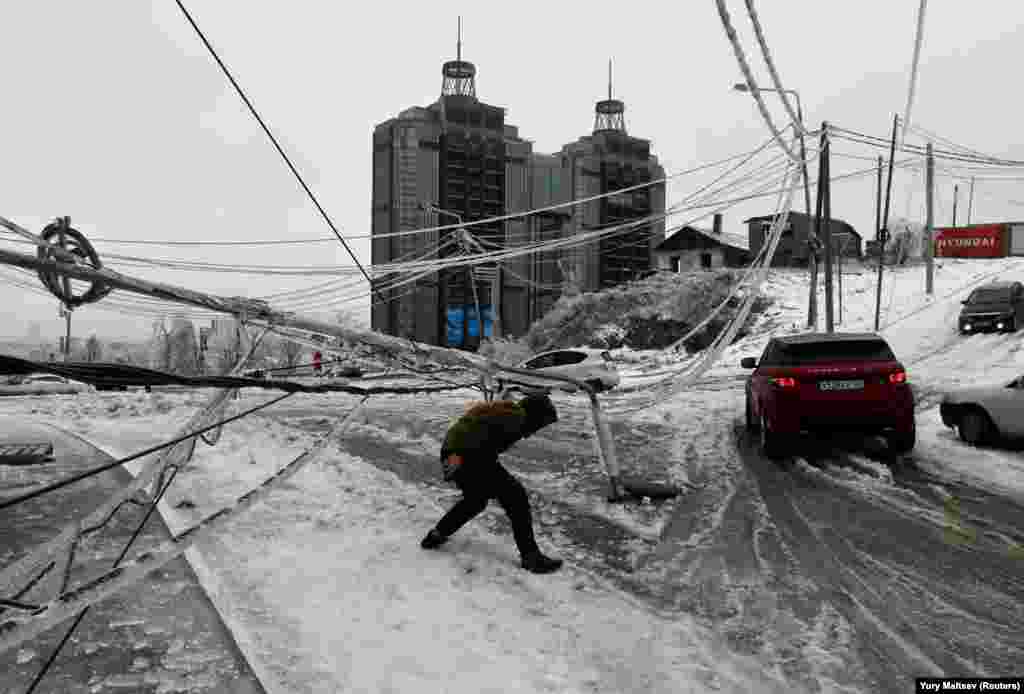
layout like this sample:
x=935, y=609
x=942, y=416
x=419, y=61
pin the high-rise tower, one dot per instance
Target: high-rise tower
x=455, y=159
x=607, y=160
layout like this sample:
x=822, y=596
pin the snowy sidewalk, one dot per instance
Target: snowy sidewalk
x=160, y=636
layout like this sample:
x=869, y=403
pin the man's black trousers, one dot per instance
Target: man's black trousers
x=480, y=482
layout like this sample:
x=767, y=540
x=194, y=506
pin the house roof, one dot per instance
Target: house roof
x=671, y=243
x=767, y=217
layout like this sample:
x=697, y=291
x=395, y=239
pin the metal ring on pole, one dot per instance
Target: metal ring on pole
x=60, y=234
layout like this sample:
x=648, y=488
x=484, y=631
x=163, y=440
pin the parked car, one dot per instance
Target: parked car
x=983, y=414
x=591, y=366
x=996, y=306
x=828, y=383
x=58, y=384
x=45, y=378
x=344, y=371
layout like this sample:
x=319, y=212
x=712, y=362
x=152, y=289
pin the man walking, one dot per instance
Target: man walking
x=469, y=458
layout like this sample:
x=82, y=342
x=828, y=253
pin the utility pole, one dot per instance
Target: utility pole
x=970, y=202
x=839, y=275
x=883, y=233
x=466, y=246
x=823, y=182
x=929, y=233
x=67, y=336
x=878, y=200
x=65, y=313
x=812, y=259
x=820, y=203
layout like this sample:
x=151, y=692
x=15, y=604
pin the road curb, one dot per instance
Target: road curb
x=243, y=642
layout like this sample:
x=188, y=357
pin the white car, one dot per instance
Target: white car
x=58, y=384
x=591, y=366
x=983, y=414
x=45, y=378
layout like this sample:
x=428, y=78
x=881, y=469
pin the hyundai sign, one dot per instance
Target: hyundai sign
x=980, y=241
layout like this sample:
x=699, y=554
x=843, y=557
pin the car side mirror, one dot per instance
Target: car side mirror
x=964, y=302
x=748, y=363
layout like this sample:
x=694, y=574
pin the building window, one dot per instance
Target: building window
x=705, y=261
x=675, y=263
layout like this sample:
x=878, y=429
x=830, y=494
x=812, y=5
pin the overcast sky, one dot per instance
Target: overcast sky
x=115, y=114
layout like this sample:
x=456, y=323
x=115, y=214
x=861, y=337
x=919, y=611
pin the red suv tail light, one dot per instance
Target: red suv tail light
x=785, y=382
x=898, y=377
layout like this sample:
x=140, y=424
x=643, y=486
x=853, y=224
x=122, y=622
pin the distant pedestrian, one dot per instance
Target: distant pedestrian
x=469, y=458
x=317, y=365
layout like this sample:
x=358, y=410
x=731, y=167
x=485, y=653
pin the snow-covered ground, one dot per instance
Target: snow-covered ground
x=327, y=590
x=922, y=332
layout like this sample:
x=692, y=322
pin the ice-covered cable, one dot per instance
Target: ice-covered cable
x=755, y=92
x=780, y=90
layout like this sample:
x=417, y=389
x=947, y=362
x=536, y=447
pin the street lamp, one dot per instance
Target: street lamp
x=812, y=312
x=469, y=269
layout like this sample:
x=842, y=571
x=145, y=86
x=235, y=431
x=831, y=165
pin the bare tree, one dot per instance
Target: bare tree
x=290, y=352
x=184, y=347
x=93, y=349
x=160, y=347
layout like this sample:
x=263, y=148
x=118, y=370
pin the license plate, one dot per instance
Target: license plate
x=841, y=385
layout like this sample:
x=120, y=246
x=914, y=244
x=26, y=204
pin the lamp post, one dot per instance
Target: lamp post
x=812, y=310
x=469, y=269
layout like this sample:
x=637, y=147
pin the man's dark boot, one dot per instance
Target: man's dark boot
x=433, y=540
x=539, y=564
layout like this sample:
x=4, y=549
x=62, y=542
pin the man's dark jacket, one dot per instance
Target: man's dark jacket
x=489, y=429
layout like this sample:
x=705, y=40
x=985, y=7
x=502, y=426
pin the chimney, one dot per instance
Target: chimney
x=717, y=228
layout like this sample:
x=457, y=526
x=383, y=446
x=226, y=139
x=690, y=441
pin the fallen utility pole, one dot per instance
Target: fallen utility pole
x=883, y=232
x=258, y=312
x=929, y=222
x=251, y=310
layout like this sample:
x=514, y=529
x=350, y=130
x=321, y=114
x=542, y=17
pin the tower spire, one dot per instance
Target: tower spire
x=608, y=114
x=459, y=75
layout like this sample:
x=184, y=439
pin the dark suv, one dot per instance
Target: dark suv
x=995, y=306
x=826, y=383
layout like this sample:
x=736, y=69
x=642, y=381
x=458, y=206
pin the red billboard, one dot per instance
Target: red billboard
x=981, y=241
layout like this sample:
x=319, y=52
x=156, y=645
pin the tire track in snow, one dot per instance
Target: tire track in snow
x=876, y=540
x=725, y=559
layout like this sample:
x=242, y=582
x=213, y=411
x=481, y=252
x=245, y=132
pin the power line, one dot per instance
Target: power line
x=445, y=227
x=287, y=160
x=752, y=87
x=913, y=69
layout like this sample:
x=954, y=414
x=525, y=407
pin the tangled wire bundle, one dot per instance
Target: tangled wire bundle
x=60, y=234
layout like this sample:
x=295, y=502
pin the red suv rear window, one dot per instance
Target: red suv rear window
x=801, y=354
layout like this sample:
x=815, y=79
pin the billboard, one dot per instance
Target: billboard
x=462, y=323
x=979, y=241
x=455, y=323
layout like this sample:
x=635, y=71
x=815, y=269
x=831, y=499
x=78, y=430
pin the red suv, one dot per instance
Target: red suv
x=825, y=383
